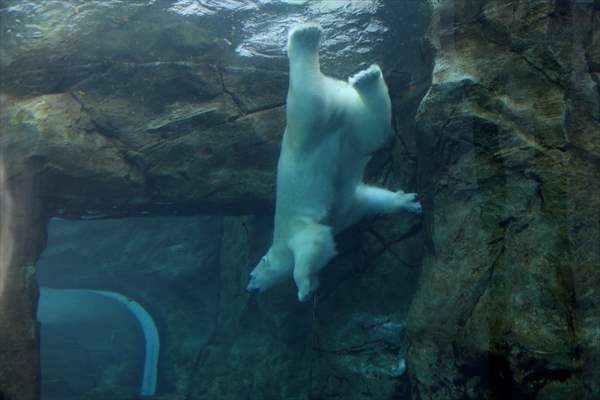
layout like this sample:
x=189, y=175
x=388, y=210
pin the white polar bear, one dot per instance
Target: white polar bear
x=333, y=129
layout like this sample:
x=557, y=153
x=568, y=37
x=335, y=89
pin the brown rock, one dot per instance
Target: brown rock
x=23, y=220
x=510, y=163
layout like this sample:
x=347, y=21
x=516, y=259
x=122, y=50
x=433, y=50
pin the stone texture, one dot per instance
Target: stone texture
x=158, y=110
x=507, y=301
x=108, y=155
x=23, y=220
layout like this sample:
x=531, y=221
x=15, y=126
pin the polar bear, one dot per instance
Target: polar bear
x=333, y=129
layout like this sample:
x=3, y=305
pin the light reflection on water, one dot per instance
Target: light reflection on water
x=260, y=25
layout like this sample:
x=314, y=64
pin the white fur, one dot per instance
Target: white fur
x=333, y=128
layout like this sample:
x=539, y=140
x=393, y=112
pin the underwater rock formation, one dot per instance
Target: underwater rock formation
x=22, y=239
x=108, y=154
x=508, y=300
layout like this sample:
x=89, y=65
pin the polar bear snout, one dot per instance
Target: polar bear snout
x=260, y=276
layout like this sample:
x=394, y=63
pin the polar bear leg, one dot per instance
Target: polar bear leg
x=313, y=246
x=371, y=88
x=303, y=41
x=373, y=200
x=307, y=34
x=374, y=128
x=303, y=54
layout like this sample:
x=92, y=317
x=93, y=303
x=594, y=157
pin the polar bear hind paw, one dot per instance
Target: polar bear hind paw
x=305, y=36
x=365, y=77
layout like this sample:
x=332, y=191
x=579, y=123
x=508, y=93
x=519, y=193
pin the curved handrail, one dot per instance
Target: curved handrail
x=149, y=329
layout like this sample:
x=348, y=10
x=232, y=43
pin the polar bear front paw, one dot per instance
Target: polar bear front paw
x=409, y=202
x=304, y=36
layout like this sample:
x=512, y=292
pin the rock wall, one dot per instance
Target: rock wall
x=124, y=109
x=23, y=220
x=507, y=305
